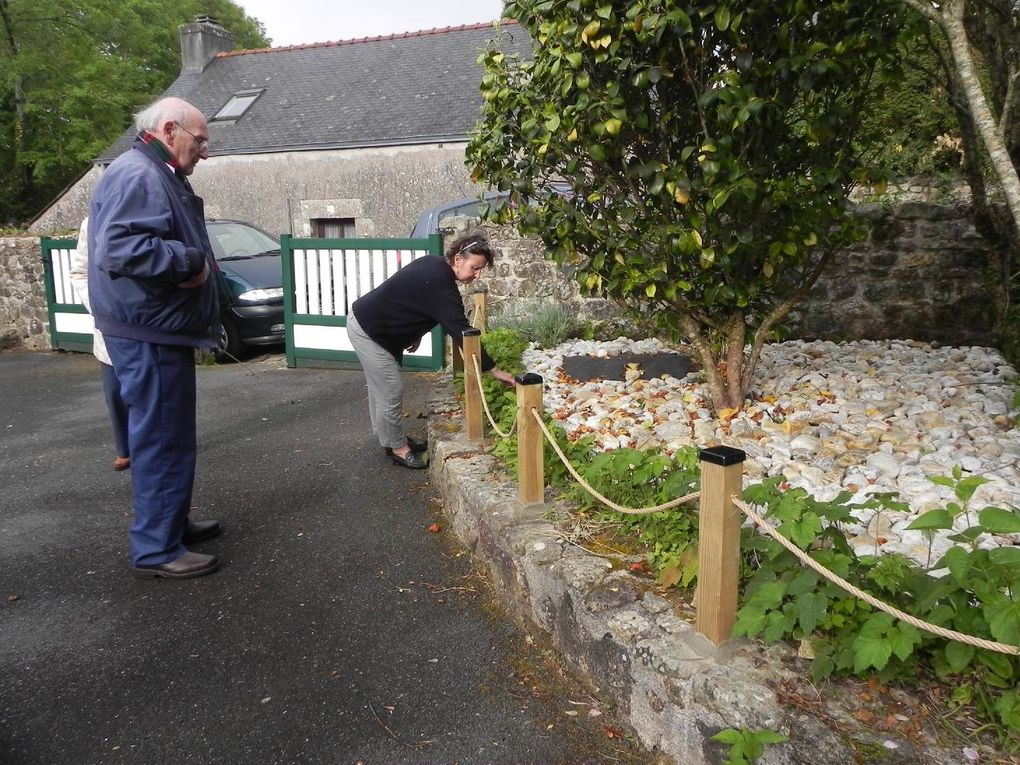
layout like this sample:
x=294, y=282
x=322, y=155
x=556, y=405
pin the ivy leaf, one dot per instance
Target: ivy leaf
x=998, y=663
x=871, y=647
x=933, y=519
x=959, y=655
x=1004, y=620
x=998, y=521
x=903, y=639
x=810, y=610
x=958, y=562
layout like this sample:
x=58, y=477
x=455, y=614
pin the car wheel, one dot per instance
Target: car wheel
x=228, y=345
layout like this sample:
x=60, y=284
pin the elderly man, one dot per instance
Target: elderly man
x=154, y=301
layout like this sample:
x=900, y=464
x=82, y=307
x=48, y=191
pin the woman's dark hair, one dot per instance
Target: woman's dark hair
x=472, y=244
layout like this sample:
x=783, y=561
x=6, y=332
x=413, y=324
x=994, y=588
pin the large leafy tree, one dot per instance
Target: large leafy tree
x=71, y=74
x=709, y=145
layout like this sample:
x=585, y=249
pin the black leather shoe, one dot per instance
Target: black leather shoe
x=199, y=531
x=189, y=565
x=413, y=460
x=416, y=446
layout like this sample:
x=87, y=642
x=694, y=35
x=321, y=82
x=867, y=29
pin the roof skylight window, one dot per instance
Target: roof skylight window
x=237, y=105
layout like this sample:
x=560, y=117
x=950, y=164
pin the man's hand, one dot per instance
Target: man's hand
x=197, y=280
x=413, y=346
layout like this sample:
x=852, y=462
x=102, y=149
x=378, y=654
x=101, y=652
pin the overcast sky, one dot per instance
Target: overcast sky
x=295, y=22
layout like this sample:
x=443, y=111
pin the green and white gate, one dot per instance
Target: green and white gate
x=321, y=280
x=70, y=324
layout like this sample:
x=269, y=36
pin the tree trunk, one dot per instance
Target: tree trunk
x=950, y=18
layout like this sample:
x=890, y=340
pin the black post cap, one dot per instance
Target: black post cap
x=722, y=455
x=472, y=332
x=528, y=378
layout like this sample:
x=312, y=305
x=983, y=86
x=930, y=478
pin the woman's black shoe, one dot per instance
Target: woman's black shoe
x=413, y=460
x=416, y=446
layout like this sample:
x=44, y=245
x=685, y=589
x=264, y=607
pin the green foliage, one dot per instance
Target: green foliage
x=640, y=478
x=909, y=111
x=709, y=147
x=545, y=324
x=746, y=746
x=973, y=591
x=72, y=72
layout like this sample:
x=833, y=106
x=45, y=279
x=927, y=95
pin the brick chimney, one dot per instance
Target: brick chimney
x=201, y=41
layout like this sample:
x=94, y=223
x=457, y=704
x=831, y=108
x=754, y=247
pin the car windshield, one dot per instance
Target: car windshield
x=231, y=240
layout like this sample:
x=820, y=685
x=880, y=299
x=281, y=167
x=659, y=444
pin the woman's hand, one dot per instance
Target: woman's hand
x=503, y=377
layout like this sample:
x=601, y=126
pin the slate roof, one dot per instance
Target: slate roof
x=411, y=88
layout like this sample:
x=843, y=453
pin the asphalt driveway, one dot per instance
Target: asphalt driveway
x=339, y=630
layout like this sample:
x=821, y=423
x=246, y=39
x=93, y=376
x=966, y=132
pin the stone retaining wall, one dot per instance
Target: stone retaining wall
x=922, y=274
x=23, y=315
x=636, y=649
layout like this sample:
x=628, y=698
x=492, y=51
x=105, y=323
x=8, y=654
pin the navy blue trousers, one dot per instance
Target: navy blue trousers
x=157, y=382
x=117, y=408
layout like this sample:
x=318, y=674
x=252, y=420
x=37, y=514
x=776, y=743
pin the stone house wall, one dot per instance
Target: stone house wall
x=382, y=190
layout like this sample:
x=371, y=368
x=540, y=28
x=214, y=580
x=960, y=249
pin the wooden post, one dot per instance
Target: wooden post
x=472, y=392
x=479, y=319
x=530, y=440
x=722, y=469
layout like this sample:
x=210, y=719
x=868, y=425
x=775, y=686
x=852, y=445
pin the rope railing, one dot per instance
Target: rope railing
x=871, y=600
x=485, y=404
x=594, y=492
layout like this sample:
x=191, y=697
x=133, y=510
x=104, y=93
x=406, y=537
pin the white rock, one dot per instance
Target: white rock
x=884, y=463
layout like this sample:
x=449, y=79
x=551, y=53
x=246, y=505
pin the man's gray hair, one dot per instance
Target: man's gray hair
x=154, y=116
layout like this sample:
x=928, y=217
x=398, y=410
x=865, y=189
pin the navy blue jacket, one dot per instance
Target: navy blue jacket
x=147, y=235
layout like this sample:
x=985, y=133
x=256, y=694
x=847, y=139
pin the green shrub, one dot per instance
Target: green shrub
x=546, y=324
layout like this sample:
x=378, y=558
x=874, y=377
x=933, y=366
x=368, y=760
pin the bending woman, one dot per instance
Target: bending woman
x=393, y=318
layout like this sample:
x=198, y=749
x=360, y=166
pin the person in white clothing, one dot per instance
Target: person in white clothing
x=111, y=385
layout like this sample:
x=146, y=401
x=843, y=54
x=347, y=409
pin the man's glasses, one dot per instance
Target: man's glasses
x=203, y=143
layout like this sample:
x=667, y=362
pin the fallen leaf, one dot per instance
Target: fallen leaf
x=639, y=566
x=670, y=576
x=435, y=528
x=865, y=716
x=611, y=732
x=11, y=598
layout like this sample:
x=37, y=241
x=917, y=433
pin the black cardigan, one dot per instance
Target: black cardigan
x=410, y=303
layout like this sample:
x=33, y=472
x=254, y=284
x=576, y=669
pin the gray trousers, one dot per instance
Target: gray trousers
x=385, y=386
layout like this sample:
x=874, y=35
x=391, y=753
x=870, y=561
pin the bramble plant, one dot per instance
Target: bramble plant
x=976, y=594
